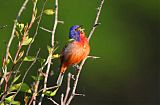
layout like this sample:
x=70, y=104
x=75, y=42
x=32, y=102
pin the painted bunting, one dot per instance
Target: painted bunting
x=75, y=51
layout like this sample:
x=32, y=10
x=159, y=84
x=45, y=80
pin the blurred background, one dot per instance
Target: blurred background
x=127, y=41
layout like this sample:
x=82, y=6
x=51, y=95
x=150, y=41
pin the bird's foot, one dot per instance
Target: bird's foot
x=76, y=67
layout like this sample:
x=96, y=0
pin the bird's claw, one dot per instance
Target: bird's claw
x=76, y=66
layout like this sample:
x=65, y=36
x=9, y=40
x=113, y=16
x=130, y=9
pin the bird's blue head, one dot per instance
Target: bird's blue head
x=74, y=32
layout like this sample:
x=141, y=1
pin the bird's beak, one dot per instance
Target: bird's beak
x=80, y=28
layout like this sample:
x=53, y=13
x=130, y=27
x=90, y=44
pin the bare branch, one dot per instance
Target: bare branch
x=96, y=20
x=54, y=102
x=62, y=96
x=93, y=57
x=55, y=22
x=50, y=54
x=47, y=30
x=38, y=23
x=68, y=87
x=49, y=88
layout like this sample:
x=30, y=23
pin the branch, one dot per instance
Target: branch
x=12, y=36
x=26, y=74
x=37, y=28
x=47, y=30
x=96, y=20
x=81, y=65
x=50, y=54
x=14, y=27
x=25, y=33
x=22, y=79
x=55, y=23
x=54, y=102
x=68, y=87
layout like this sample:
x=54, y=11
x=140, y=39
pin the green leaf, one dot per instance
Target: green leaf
x=36, y=78
x=27, y=41
x=15, y=103
x=51, y=93
x=29, y=58
x=15, y=79
x=15, y=87
x=55, y=56
x=49, y=11
x=41, y=60
x=9, y=99
x=25, y=88
x=2, y=103
x=49, y=49
x=20, y=26
x=8, y=61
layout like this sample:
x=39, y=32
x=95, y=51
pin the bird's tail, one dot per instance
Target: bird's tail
x=60, y=77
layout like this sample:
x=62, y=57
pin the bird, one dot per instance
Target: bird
x=75, y=51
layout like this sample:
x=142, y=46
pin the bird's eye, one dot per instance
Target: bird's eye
x=76, y=29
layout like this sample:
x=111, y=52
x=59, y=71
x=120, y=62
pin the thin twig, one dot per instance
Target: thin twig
x=62, y=96
x=82, y=63
x=93, y=57
x=14, y=27
x=47, y=30
x=37, y=28
x=37, y=82
x=55, y=23
x=45, y=79
x=76, y=82
x=96, y=20
x=54, y=102
x=68, y=87
x=48, y=88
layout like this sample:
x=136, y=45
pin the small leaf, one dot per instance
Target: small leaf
x=26, y=99
x=15, y=87
x=50, y=93
x=27, y=41
x=25, y=88
x=20, y=26
x=41, y=60
x=50, y=49
x=8, y=61
x=9, y=54
x=15, y=103
x=49, y=11
x=17, y=34
x=55, y=56
x=9, y=99
x=21, y=54
x=36, y=78
x=15, y=79
x=2, y=103
x=29, y=58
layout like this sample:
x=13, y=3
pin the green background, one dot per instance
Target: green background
x=127, y=42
